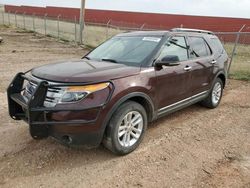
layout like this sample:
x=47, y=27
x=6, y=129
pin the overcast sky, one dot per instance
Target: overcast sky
x=227, y=8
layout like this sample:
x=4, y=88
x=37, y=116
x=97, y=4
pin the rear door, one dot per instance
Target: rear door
x=202, y=63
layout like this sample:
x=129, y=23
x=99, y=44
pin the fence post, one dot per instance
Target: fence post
x=75, y=30
x=15, y=19
x=9, y=17
x=235, y=47
x=107, y=29
x=33, y=20
x=45, y=25
x=24, y=20
x=141, y=28
x=58, y=27
x=3, y=17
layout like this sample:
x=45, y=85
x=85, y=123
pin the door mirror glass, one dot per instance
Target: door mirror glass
x=170, y=59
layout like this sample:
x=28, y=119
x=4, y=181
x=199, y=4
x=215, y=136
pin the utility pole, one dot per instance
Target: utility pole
x=82, y=14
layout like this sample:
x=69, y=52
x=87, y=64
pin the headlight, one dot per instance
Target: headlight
x=77, y=93
x=73, y=96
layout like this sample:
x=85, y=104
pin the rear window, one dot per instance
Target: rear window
x=217, y=46
x=199, y=47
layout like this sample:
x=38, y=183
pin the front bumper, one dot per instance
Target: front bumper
x=41, y=125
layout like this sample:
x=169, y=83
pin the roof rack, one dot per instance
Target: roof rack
x=192, y=30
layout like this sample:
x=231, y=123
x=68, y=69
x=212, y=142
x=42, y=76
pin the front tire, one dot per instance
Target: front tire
x=214, y=98
x=126, y=128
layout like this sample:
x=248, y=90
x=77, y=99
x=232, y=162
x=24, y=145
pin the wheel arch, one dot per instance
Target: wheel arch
x=138, y=97
x=146, y=103
x=222, y=76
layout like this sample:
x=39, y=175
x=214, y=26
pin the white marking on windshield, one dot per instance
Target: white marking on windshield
x=152, y=39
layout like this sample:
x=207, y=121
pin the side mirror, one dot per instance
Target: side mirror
x=169, y=60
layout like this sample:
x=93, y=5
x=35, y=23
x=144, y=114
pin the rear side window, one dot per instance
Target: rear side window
x=199, y=47
x=217, y=46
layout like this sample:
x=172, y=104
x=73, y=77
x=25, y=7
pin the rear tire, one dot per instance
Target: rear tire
x=126, y=128
x=214, y=98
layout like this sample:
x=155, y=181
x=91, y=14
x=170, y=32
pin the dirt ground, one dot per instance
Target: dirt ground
x=195, y=147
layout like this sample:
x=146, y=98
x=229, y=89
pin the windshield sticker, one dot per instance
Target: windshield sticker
x=152, y=39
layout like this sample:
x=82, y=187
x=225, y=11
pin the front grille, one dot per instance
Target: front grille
x=29, y=90
x=53, y=95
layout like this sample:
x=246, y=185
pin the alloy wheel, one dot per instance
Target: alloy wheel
x=130, y=129
x=216, y=93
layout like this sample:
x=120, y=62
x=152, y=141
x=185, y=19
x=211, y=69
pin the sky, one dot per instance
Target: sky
x=223, y=8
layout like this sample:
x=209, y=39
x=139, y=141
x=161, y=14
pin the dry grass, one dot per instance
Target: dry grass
x=240, y=68
x=95, y=35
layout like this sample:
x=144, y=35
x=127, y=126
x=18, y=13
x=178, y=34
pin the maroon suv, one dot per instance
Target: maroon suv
x=113, y=92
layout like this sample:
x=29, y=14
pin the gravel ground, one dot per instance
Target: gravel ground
x=195, y=147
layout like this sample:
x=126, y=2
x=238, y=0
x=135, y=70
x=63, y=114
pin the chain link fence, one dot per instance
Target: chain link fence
x=63, y=29
x=237, y=44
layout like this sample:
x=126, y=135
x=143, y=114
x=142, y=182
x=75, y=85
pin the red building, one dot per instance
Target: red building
x=136, y=19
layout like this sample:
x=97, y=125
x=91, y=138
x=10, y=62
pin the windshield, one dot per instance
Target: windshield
x=126, y=50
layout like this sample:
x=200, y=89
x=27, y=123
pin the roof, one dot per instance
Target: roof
x=144, y=33
x=163, y=33
x=192, y=30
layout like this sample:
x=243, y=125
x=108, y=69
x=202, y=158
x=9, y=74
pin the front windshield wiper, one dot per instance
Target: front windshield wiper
x=86, y=57
x=110, y=60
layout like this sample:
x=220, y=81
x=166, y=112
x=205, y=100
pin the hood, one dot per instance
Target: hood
x=83, y=71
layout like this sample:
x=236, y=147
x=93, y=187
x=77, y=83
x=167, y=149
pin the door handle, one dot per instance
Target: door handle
x=187, y=68
x=213, y=62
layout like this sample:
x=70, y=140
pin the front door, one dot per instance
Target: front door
x=173, y=81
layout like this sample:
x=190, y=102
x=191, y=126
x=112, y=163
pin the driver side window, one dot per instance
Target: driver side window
x=175, y=48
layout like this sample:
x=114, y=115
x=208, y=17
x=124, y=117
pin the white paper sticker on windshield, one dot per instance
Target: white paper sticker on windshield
x=152, y=39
